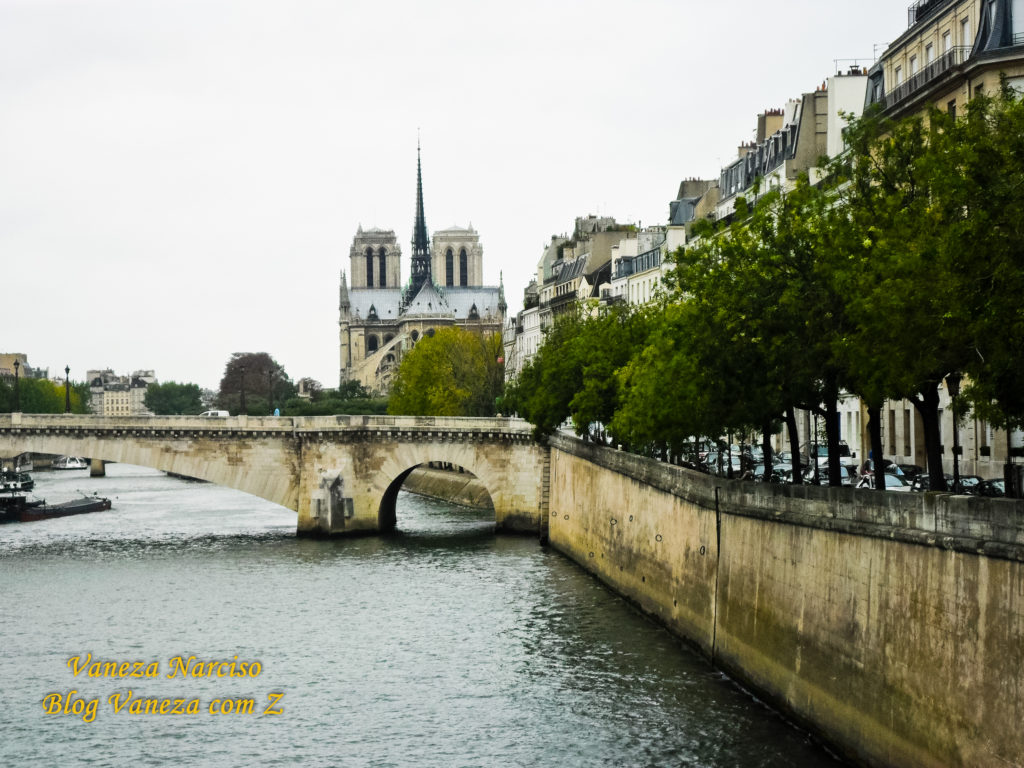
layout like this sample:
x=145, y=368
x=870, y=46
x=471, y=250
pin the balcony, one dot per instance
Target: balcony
x=954, y=57
x=922, y=9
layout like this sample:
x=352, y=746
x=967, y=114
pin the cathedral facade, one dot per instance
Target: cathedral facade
x=382, y=317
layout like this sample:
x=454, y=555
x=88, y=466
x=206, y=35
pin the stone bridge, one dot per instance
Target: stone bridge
x=341, y=474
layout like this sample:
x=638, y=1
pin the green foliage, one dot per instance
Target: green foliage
x=260, y=377
x=906, y=265
x=43, y=396
x=172, y=398
x=455, y=372
x=573, y=374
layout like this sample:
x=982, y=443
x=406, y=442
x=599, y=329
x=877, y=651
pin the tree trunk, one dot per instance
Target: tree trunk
x=794, y=444
x=766, y=450
x=927, y=406
x=875, y=435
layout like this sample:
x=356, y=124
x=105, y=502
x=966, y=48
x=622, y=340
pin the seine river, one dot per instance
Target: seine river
x=443, y=645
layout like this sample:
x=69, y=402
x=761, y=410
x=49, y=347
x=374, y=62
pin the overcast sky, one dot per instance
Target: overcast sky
x=182, y=179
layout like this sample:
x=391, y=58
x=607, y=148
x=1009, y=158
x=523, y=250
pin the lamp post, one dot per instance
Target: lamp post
x=817, y=470
x=67, y=389
x=270, y=390
x=953, y=385
x=17, y=394
x=241, y=405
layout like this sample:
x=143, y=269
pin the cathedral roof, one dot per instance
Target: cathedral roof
x=453, y=302
x=384, y=300
x=427, y=301
x=461, y=300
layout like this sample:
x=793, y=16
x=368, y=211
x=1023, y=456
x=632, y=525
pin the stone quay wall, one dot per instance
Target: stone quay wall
x=891, y=626
x=449, y=485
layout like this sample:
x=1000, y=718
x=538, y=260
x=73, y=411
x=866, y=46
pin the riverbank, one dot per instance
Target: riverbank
x=453, y=485
x=892, y=625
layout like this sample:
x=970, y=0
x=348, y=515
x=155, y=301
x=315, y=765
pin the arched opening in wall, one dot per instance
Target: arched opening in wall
x=463, y=267
x=369, y=267
x=371, y=344
x=437, y=498
x=383, y=267
x=388, y=337
x=449, y=267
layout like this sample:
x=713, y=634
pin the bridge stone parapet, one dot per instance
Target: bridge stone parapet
x=341, y=474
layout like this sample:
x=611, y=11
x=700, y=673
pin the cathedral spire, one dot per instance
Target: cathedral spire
x=420, y=244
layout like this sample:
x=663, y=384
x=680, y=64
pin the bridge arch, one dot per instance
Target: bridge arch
x=444, y=481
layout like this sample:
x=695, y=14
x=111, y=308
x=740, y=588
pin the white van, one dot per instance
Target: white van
x=216, y=414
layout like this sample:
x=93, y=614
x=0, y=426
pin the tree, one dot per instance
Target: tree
x=908, y=285
x=172, y=398
x=43, y=396
x=258, y=377
x=455, y=372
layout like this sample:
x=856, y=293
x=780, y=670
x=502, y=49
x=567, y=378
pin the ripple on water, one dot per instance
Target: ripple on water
x=443, y=645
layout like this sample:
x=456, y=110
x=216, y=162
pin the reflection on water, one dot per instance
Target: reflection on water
x=442, y=644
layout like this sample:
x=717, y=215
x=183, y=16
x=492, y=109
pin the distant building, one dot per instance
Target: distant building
x=113, y=395
x=25, y=371
x=381, y=318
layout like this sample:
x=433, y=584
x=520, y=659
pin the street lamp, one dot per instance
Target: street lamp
x=270, y=389
x=67, y=389
x=817, y=470
x=241, y=405
x=17, y=395
x=953, y=385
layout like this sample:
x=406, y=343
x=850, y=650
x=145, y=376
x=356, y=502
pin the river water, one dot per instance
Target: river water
x=443, y=645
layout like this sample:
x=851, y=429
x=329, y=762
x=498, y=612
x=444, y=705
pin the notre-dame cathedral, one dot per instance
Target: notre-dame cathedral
x=382, y=317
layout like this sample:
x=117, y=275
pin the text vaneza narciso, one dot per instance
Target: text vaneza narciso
x=177, y=667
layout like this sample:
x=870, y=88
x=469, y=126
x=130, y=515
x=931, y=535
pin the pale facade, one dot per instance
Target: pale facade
x=951, y=51
x=113, y=395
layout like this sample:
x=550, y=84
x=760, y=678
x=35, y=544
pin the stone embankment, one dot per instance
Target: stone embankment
x=892, y=625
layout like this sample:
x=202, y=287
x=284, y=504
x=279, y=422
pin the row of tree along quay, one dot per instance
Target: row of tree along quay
x=903, y=266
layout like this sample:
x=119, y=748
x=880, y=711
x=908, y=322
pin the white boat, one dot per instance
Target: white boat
x=71, y=462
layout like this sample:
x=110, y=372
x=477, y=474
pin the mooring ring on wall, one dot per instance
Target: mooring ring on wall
x=614, y=521
x=703, y=549
x=658, y=537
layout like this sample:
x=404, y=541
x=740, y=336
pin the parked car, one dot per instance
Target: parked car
x=721, y=467
x=892, y=483
x=992, y=488
x=910, y=471
x=923, y=482
x=969, y=483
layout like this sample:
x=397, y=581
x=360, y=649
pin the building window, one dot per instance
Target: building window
x=913, y=65
x=449, y=267
x=947, y=42
x=371, y=345
x=382, y=257
x=951, y=108
x=899, y=75
x=929, y=53
x=463, y=267
x=965, y=31
x=369, y=267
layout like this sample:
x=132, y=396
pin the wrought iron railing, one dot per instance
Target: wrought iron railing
x=954, y=57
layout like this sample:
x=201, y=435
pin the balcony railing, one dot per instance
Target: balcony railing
x=954, y=57
x=922, y=9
